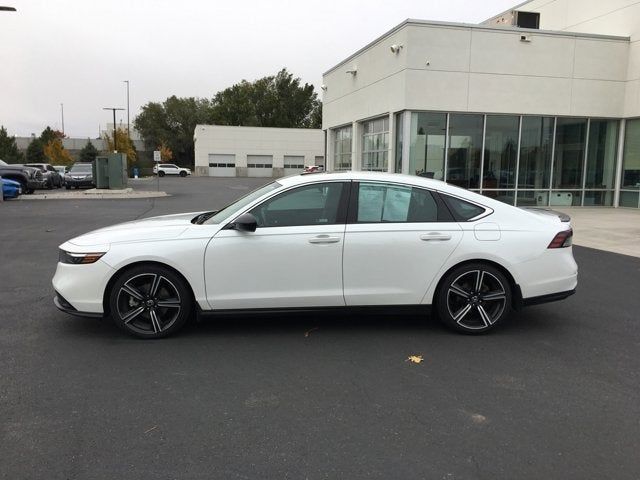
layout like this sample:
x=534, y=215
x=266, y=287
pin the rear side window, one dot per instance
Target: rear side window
x=382, y=203
x=462, y=210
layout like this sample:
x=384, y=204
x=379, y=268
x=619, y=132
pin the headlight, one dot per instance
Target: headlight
x=79, y=258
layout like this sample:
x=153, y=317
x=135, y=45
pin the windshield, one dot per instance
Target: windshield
x=81, y=168
x=231, y=209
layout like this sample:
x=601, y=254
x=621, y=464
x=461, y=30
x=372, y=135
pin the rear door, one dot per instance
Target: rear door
x=396, y=240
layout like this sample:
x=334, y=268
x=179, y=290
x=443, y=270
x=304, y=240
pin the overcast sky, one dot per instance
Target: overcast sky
x=78, y=52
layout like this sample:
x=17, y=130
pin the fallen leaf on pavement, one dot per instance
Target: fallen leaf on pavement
x=308, y=332
x=414, y=358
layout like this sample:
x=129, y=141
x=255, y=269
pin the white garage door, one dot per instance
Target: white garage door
x=222, y=165
x=293, y=164
x=260, y=165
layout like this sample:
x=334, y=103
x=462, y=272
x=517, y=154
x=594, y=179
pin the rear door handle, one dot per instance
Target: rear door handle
x=324, y=239
x=435, y=237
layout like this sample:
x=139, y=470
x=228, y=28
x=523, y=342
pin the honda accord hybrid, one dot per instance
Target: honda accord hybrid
x=323, y=241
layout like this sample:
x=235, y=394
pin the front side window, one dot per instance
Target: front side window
x=382, y=203
x=316, y=204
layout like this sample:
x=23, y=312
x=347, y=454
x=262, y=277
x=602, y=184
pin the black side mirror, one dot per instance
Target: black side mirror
x=244, y=223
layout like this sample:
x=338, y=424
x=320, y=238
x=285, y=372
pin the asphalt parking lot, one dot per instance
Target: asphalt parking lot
x=555, y=393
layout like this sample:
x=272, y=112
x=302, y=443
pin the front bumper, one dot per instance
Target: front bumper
x=33, y=184
x=61, y=303
x=82, y=287
x=78, y=182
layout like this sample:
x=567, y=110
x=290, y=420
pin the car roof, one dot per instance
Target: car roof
x=412, y=180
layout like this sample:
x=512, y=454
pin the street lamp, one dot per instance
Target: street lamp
x=7, y=9
x=128, y=133
x=115, y=144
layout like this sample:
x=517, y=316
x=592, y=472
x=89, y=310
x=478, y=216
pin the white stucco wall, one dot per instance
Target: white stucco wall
x=471, y=68
x=606, y=17
x=256, y=141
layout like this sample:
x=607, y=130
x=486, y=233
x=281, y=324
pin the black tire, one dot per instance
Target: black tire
x=138, y=310
x=183, y=174
x=474, y=298
x=161, y=173
x=68, y=187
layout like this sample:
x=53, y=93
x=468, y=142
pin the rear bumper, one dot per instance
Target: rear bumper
x=551, y=297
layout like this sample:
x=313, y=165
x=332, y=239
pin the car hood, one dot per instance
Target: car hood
x=149, y=229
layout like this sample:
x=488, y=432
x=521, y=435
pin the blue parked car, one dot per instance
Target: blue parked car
x=10, y=189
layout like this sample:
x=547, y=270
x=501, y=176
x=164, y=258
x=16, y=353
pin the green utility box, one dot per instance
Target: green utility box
x=110, y=171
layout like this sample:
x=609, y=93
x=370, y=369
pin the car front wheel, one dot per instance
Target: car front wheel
x=150, y=301
x=183, y=174
x=161, y=174
x=474, y=298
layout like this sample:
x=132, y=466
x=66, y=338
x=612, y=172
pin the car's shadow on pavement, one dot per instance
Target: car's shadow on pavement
x=537, y=319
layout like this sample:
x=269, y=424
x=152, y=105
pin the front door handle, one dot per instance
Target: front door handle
x=435, y=237
x=324, y=239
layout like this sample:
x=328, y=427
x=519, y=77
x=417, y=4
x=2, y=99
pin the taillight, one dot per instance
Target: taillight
x=562, y=239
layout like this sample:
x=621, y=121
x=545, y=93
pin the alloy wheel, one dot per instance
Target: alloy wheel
x=148, y=304
x=476, y=299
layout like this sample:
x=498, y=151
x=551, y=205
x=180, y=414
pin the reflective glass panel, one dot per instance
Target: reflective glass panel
x=535, y=153
x=426, y=157
x=569, y=154
x=601, y=156
x=399, y=138
x=629, y=199
x=565, y=199
x=465, y=148
x=342, y=148
x=631, y=156
x=500, y=152
x=375, y=144
x=602, y=198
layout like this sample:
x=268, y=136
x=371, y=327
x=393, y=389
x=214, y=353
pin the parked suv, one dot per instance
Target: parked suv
x=29, y=178
x=51, y=176
x=80, y=175
x=170, y=169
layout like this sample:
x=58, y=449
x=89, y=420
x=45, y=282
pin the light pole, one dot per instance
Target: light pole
x=62, y=113
x=115, y=142
x=128, y=133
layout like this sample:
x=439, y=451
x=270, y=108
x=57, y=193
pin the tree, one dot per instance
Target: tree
x=273, y=101
x=8, y=148
x=56, y=153
x=172, y=123
x=48, y=134
x=35, y=152
x=88, y=153
x=124, y=145
x=165, y=153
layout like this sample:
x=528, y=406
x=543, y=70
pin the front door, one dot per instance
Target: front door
x=293, y=259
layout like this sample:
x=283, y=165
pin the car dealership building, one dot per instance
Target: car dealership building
x=539, y=105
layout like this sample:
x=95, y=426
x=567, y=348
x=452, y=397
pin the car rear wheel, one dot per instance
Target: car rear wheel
x=150, y=301
x=183, y=174
x=474, y=298
x=161, y=173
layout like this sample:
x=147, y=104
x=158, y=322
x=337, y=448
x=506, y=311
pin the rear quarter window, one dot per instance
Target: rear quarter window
x=462, y=210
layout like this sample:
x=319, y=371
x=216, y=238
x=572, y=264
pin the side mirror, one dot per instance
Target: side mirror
x=245, y=223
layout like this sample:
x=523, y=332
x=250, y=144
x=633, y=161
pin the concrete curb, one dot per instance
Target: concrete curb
x=95, y=194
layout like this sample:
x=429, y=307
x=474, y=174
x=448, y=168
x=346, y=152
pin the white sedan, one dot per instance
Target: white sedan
x=323, y=241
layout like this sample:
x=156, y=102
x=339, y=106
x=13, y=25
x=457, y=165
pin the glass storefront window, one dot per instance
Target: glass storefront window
x=601, y=154
x=568, y=161
x=602, y=198
x=631, y=156
x=535, y=153
x=342, y=148
x=629, y=199
x=465, y=149
x=500, y=152
x=426, y=156
x=375, y=144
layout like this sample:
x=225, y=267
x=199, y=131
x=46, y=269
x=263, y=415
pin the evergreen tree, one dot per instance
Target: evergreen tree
x=88, y=152
x=35, y=152
x=8, y=149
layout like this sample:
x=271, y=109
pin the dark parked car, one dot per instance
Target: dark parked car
x=51, y=176
x=80, y=175
x=29, y=178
